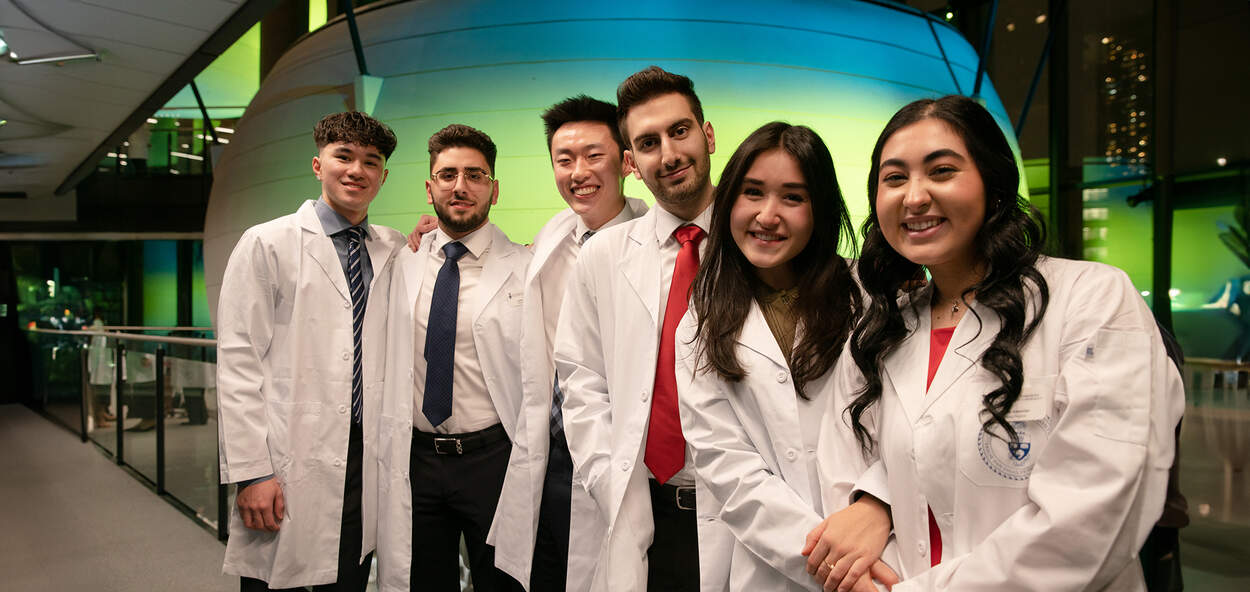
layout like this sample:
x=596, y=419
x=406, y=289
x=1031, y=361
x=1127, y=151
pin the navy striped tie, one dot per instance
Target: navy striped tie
x=440, y=336
x=356, y=283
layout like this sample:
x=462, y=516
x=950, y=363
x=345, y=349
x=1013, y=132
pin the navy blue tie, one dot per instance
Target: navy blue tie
x=356, y=284
x=440, y=337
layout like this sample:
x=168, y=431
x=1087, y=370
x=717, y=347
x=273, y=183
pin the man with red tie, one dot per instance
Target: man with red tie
x=614, y=350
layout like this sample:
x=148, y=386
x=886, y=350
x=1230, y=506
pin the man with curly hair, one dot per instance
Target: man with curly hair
x=301, y=330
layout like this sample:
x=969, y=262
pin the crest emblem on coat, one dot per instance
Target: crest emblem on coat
x=1007, y=459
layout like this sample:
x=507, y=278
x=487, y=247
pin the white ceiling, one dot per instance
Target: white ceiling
x=59, y=113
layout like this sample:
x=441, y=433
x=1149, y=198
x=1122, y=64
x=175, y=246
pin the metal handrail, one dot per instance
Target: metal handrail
x=129, y=336
x=130, y=328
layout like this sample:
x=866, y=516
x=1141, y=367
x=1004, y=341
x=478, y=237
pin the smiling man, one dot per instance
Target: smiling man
x=614, y=349
x=541, y=507
x=453, y=388
x=300, y=327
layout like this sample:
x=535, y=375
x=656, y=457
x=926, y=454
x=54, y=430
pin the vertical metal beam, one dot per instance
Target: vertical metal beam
x=945, y=60
x=1163, y=83
x=87, y=396
x=1065, y=197
x=160, y=420
x=208, y=123
x=350, y=13
x=1037, y=72
x=120, y=380
x=985, y=47
x=183, y=279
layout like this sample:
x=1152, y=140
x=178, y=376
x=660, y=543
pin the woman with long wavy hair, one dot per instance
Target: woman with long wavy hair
x=1018, y=409
x=771, y=308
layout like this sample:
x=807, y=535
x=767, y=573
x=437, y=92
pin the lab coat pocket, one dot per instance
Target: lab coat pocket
x=293, y=433
x=989, y=457
x=1119, y=364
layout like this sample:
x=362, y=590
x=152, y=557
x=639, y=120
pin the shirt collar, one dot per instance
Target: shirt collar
x=333, y=222
x=666, y=222
x=625, y=215
x=477, y=241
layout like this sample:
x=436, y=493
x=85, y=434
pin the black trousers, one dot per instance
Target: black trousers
x=1161, y=560
x=549, y=571
x=673, y=558
x=353, y=576
x=455, y=495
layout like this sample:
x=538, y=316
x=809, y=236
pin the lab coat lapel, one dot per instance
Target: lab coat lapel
x=973, y=335
x=379, y=254
x=542, y=254
x=757, y=337
x=321, y=248
x=412, y=267
x=641, y=265
x=907, y=367
x=495, y=270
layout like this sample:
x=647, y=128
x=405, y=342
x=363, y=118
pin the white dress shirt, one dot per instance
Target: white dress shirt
x=471, y=406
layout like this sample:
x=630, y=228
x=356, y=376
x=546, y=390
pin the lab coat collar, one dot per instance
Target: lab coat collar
x=907, y=368
x=320, y=247
x=666, y=223
x=478, y=241
x=333, y=222
x=757, y=337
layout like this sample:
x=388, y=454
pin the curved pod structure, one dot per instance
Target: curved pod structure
x=840, y=67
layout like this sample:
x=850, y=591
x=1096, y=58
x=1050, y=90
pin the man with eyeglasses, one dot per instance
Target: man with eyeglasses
x=453, y=387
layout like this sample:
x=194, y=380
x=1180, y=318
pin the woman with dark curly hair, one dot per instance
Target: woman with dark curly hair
x=1018, y=410
x=771, y=309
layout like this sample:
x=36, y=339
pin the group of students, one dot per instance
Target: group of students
x=701, y=396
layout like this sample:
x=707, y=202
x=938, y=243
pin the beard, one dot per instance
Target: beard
x=690, y=191
x=468, y=223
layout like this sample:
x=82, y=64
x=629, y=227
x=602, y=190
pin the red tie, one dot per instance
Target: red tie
x=666, y=447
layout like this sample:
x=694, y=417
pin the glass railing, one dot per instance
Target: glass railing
x=149, y=400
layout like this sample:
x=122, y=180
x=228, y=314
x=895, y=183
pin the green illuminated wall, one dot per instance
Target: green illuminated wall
x=841, y=67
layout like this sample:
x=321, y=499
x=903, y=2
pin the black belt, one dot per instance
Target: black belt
x=458, y=444
x=680, y=497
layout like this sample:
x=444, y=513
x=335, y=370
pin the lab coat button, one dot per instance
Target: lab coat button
x=347, y=355
x=347, y=304
x=645, y=395
x=338, y=462
x=920, y=547
x=342, y=409
x=781, y=377
x=791, y=454
x=625, y=466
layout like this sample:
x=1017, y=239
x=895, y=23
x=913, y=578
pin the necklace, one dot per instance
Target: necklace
x=955, y=306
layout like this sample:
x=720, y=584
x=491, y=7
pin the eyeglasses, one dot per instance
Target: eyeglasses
x=446, y=178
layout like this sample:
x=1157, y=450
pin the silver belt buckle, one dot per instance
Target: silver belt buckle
x=678, y=496
x=440, y=442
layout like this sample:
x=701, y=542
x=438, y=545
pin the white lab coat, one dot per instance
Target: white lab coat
x=284, y=379
x=607, y=343
x=496, y=312
x=516, y=517
x=1069, y=508
x=759, y=464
